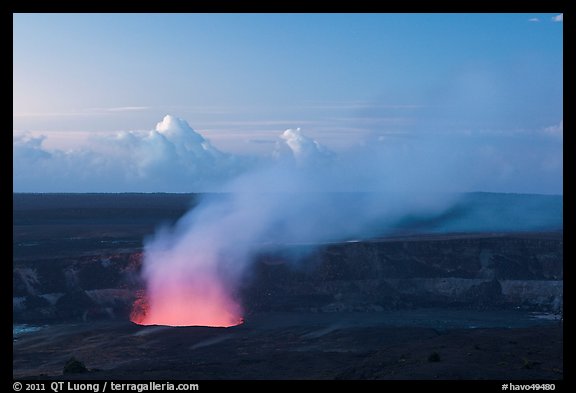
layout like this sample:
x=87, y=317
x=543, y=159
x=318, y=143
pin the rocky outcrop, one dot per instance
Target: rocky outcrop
x=462, y=271
x=82, y=288
x=479, y=272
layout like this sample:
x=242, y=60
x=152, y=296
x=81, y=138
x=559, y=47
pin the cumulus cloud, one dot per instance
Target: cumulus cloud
x=172, y=157
x=558, y=18
x=190, y=148
x=534, y=20
x=293, y=144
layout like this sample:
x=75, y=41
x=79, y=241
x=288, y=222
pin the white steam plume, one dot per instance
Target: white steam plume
x=194, y=270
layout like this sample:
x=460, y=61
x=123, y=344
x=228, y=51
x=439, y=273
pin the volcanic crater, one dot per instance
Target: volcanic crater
x=488, y=303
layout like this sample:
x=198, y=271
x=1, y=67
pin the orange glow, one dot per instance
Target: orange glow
x=139, y=309
x=195, y=303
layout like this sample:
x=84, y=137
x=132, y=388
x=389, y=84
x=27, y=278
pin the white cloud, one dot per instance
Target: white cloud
x=303, y=149
x=27, y=146
x=173, y=157
x=188, y=143
x=534, y=20
x=558, y=18
x=556, y=130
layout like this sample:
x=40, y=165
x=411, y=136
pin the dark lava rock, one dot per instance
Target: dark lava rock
x=434, y=357
x=74, y=366
x=35, y=302
x=485, y=294
x=74, y=304
x=477, y=271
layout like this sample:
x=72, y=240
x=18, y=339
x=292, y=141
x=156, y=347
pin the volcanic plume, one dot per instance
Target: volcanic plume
x=195, y=269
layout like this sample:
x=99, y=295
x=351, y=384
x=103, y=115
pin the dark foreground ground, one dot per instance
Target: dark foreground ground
x=298, y=346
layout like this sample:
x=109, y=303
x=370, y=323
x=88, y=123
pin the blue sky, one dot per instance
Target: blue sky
x=240, y=80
